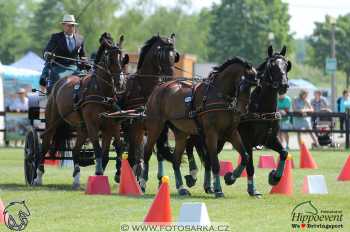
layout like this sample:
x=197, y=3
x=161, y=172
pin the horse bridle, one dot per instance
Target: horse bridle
x=165, y=55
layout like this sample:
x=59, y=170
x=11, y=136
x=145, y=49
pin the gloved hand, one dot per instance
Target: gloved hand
x=48, y=55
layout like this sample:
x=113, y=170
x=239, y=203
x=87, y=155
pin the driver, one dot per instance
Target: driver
x=68, y=44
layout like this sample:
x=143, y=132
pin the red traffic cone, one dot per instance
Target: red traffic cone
x=266, y=161
x=98, y=185
x=244, y=173
x=285, y=186
x=160, y=210
x=345, y=172
x=128, y=184
x=52, y=162
x=225, y=167
x=2, y=208
x=306, y=159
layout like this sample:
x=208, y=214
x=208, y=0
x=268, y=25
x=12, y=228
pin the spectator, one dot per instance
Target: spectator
x=284, y=105
x=318, y=104
x=343, y=103
x=20, y=104
x=301, y=104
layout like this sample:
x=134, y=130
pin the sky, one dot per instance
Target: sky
x=304, y=13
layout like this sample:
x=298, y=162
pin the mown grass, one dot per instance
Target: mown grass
x=56, y=207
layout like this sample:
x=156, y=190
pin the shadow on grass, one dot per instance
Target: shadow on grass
x=47, y=187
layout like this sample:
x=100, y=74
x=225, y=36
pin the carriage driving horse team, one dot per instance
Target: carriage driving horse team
x=236, y=103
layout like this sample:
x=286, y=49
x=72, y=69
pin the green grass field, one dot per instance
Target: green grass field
x=55, y=207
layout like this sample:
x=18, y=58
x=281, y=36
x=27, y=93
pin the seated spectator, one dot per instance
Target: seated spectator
x=20, y=104
x=284, y=105
x=301, y=104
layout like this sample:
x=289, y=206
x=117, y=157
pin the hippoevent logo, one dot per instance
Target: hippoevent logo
x=16, y=215
x=306, y=216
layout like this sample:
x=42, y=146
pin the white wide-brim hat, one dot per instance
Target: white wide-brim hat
x=69, y=19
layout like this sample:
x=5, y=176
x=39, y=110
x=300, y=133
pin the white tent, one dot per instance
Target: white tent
x=296, y=85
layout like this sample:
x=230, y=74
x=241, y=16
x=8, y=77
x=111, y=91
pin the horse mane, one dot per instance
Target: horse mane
x=234, y=60
x=145, y=48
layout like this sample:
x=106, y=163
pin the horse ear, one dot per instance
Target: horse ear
x=172, y=36
x=283, y=51
x=121, y=40
x=125, y=60
x=289, y=66
x=270, y=51
x=177, y=57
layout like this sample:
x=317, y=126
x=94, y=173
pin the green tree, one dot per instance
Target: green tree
x=241, y=27
x=14, y=18
x=321, y=43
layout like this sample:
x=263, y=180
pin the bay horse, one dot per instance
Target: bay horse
x=96, y=95
x=260, y=125
x=215, y=115
x=155, y=64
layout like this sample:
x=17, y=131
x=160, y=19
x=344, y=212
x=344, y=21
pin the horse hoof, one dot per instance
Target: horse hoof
x=273, y=179
x=219, y=194
x=190, y=181
x=184, y=192
x=98, y=173
x=255, y=194
x=116, y=178
x=37, y=182
x=229, y=179
x=208, y=190
x=143, y=189
x=76, y=186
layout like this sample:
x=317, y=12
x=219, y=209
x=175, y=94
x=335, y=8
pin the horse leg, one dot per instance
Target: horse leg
x=80, y=140
x=211, y=140
x=275, y=175
x=180, y=145
x=192, y=177
x=118, y=162
x=106, y=142
x=236, y=141
x=136, y=149
x=153, y=132
x=250, y=172
x=163, y=152
x=94, y=138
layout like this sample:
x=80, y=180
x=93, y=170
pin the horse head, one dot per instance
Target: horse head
x=274, y=71
x=110, y=57
x=158, y=56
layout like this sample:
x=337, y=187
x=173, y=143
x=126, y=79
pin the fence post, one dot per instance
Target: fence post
x=347, y=129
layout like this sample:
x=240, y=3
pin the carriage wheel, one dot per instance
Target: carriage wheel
x=31, y=153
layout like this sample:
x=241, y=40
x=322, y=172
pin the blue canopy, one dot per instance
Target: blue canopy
x=30, y=61
x=19, y=76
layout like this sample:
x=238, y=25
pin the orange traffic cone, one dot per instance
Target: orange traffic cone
x=160, y=210
x=306, y=159
x=244, y=173
x=128, y=184
x=345, y=172
x=285, y=186
x=2, y=208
